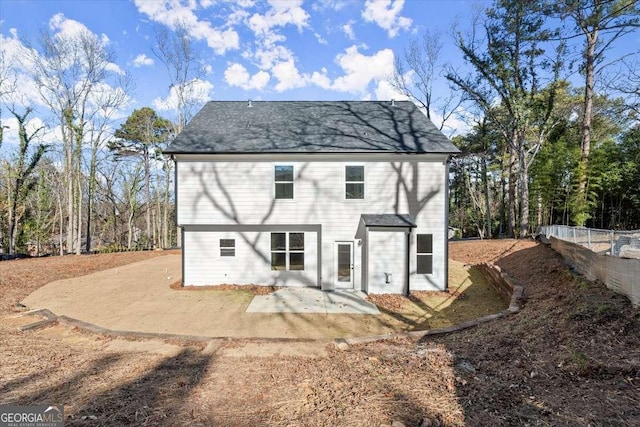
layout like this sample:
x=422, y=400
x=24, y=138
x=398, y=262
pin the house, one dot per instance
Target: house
x=324, y=194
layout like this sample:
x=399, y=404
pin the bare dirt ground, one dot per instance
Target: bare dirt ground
x=138, y=297
x=571, y=356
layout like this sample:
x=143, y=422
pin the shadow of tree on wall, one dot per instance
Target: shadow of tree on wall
x=319, y=128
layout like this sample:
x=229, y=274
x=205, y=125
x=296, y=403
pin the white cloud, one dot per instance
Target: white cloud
x=288, y=76
x=45, y=135
x=269, y=50
x=281, y=14
x=237, y=75
x=321, y=79
x=142, y=60
x=334, y=5
x=321, y=39
x=459, y=123
x=385, y=91
x=348, y=30
x=114, y=68
x=268, y=57
x=197, y=92
x=66, y=28
x=175, y=12
x=386, y=13
x=360, y=70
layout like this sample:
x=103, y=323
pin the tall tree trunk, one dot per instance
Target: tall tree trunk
x=61, y=225
x=487, y=204
x=539, y=214
x=587, y=116
x=503, y=195
x=12, y=225
x=512, y=193
x=147, y=194
x=130, y=231
x=78, y=248
x=70, y=203
x=524, y=194
x=90, y=195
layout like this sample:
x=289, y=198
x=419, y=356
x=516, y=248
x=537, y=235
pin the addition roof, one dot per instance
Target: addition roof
x=235, y=127
x=399, y=221
x=388, y=220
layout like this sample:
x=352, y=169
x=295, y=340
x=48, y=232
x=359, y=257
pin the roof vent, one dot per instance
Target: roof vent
x=249, y=104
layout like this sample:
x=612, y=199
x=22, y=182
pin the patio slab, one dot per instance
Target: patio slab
x=312, y=300
x=137, y=297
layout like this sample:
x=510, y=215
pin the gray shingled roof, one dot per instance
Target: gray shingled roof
x=388, y=220
x=310, y=126
x=383, y=220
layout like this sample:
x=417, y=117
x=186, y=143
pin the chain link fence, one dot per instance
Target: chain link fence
x=624, y=244
x=610, y=256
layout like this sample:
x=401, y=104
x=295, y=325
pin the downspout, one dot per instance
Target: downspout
x=408, y=260
x=182, y=251
x=446, y=224
x=180, y=235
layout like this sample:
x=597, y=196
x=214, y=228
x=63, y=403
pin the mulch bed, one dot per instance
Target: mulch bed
x=252, y=289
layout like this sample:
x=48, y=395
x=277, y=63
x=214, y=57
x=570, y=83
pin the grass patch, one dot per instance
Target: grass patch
x=470, y=296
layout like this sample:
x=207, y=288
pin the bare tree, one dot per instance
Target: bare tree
x=416, y=72
x=99, y=130
x=185, y=70
x=69, y=70
x=626, y=82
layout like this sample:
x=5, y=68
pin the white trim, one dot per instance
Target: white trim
x=274, y=182
x=337, y=284
x=313, y=157
x=344, y=181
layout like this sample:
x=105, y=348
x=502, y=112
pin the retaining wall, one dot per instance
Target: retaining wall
x=619, y=274
x=503, y=286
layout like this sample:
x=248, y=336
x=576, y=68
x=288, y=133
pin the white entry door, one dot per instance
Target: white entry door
x=343, y=264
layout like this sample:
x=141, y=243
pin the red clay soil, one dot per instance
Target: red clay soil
x=570, y=357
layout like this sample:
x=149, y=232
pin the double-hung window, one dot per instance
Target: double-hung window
x=354, y=182
x=424, y=251
x=287, y=251
x=283, y=178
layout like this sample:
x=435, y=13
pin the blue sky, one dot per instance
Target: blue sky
x=294, y=50
x=276, y=50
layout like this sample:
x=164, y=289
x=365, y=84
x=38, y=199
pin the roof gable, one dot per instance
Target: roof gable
x=310, y=126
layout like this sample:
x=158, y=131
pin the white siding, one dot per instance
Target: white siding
x=387, y=256
x=251, y=263
x=240, y=190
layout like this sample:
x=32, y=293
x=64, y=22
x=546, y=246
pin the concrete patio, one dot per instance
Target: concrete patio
x=312, y=300
x=137, y=297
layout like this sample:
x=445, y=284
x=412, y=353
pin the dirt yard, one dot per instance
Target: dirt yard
x=570, y=357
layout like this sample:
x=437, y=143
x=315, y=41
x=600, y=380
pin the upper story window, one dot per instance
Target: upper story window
x=424, y=264
x=354, y=182
x=283, y=178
